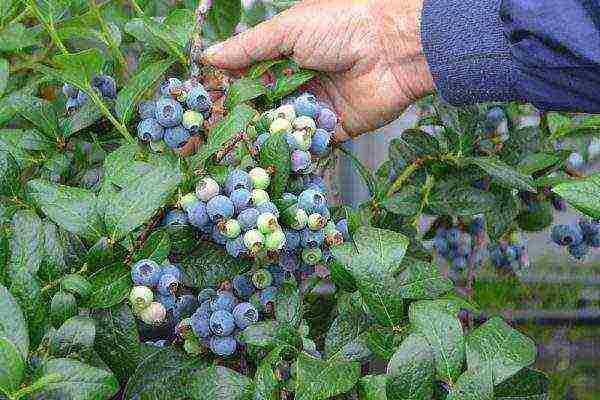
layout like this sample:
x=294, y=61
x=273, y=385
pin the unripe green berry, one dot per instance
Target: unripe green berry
x=286, y=111
x=192, y=120
x=306, y=124
x=259, y=196
x=267, y=223
x=302, y=139
x=154, y=314
x=334, y=238
x=231, y=228
x=254, y=240
x=316, y=222
x=158, y=146
x=275, y=240
x=188, y=200
x=260, y=178
x=312, y=255
x=262, y=279
x=140, y=297
x=191, y=345
x=294, y=217
x=279, y=126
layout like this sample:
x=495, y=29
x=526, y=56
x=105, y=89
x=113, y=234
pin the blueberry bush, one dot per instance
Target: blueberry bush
x=168, y=230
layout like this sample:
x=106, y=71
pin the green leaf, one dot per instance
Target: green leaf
x=405, y=203
x=222, y=19
x=137, y=202
x=371, y=259
x=500, y=219
x=40, y=113
x=75, y=335
x=10, y=175
x=288, y=307
x=217, y=383
x=537, y=162
x=266, y=385
x=12, y=323
x=228, y=129
x=275, y=155
x=49, y=11
x=582, y=194
x=453, y=198
x=57, y=252
x=422, y=280
x=444, y=333
x=502, y=173
x=347, y=338
x=495, y=344
x=163, y=375
x=285, y=84
x=62, y=307
x=383, y=341
x=267, y=334
x=110, y=286
x=365, y=173
x=72, y=208
x=316, y=379
x=528, y=384
x=411, y=370
x=257, y=70
x=12, y=367
x=473, y=385
x=86, y=116
x=180, y=23
x=17, y=36
x=74, y=380
x=372, y=387
x=156, y=34
x=4, y=71
x=420, y=143
x=80, y=67
x=244, y=90
x=157, y=247
x=26, y=288
x=117, y=340
x=137, y=86
x=26, y=246
x=76, y=284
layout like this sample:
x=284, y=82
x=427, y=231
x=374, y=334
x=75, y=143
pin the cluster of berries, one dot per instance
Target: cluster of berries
x=494, y=131
x=238, y=215
x=104, y=85
x=178, y=112
x=458, y=243
x=216, y=323
x=510, y=254
x=158, y=293
x=307, y=126
x=579, y=237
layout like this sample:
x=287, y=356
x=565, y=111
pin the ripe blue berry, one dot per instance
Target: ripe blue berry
x=82, y=98
x=192, y=121
x=292, y=240
x=69, y=90
x=289, y=261
x=217, y=236
x=241, y=199
x=106, y=85
x=301, y=160
x=453, y=236
x=222, y=323
x=198, y=99
x=237, y=179
x=207, y=188
x=223, y=346
x=72, y=104
x=342, y=226
x=175, y=218
x=167, y=284
x=312, y=238
x=268, y=207
x=185, y=306
x=219, y=207
x=312, y=201
x=145, y=273
x=460, y=263
x=260, y=178
x=327, y=120
x=243, y=286
x=260, y=140
x=248, y=218
x=477, y=226
x=197, y=214
x=224, y=301
x=176, y=137
x=245, y=314
x=150, y=130
x=147, y=109
x=268, y=295
x=593, y=240
x=306, y=104
x=200, y=324
x=317, y=183
x=579, y=250
x=168, y=112
x=168, y=301
x=565, y=235
x=575, y=161
x=206, y=295
x=589, y=228
x=235, y=247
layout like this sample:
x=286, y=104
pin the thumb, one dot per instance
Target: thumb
x=267, y=40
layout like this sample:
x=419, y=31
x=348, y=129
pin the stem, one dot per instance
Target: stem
x=197, y=42
x=49, y=27
x=403, y=177
x=120, y=127
x=111, y=43
x=136, y=7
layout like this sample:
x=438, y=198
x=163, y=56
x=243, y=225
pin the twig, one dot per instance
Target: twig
x=197, y=41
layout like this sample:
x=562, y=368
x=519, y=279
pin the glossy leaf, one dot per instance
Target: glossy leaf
x=421, y=280
x=504, y=174
x=372, y=387
x=406, y=202
x=83, y=118
x=411, y=370
x=242, y=91
x=275, y=155
x=473, y=385
x=17, y=36
x=527, y=384
x=75, y=335
x=12, y=367
x=12, y=323
x=217, y=383
x=110, y=286
x=347, y=339
x=582, y=194
x=222, y=18
x=4, y=71
x=76, y=284
x=316, y=379
x=26, y=246
x=285, y=84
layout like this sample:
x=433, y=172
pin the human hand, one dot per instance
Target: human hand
x=369, y=53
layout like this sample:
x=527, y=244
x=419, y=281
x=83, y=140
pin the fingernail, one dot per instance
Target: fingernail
x=212, y=51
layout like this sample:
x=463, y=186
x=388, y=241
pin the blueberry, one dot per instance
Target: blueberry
x=197, y=214
x=145, y=273
x=311, y=255
x=219, y=207
x=262, y=278
x=259, y=196
x=306, y=104
x=243, y=286
x=175, y=218
x=188, y=201
x=280, y=126
x=589, y=228
x=268, y=207
x=224, y=301
x=260, y=178
x=154, y=314
x=168, y=301
x=496, y=114
x=237, y=179
x=69, y=90
x=223, y=346
x=71, y=105
x=317, y=183
x=268, y=295
x=342, y=226
x=150, y=130
x=312, y=201
x=245, y=314
x=292, y=240
x=477, y=226
x=222, y=323
x=241, y=199
x=289, y=261
x=200, y=324
x=559, y=204
x=106, y=85
x=275, y=240
x=207, y=294
x=167, y=284
x=248, y=218
x=278, y=274
x=82, y=98
x=176, y=137
x=565, y=235
x=168, y=112
x=170, y=85
x=230, y=229
x=301, y=160
x=267, y=223
x=311, y=238
x=593, y=240
x=173, y=270
x=184, y=307
x=579, y=250
x=575, y=161
x=327, y=120
x=235, y=247
x=254, y=240
x=260, y=140
x=199, y=99
x=140, y=297
x=207, y=188
x=147, y=109
x=453, y=236
x=217, y=236
x=192, y=121
x=459, y=263
x=299, y=140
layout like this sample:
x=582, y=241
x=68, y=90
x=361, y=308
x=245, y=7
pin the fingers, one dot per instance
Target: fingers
x=267, y=40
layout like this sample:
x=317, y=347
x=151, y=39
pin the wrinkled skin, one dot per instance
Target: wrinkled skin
x=369, y=53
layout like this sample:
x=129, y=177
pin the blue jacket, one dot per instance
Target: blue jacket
x=546, y=52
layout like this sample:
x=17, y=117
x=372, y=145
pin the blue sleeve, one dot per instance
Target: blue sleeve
x=546, y=52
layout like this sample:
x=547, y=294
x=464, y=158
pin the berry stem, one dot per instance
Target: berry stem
x=197, y=42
